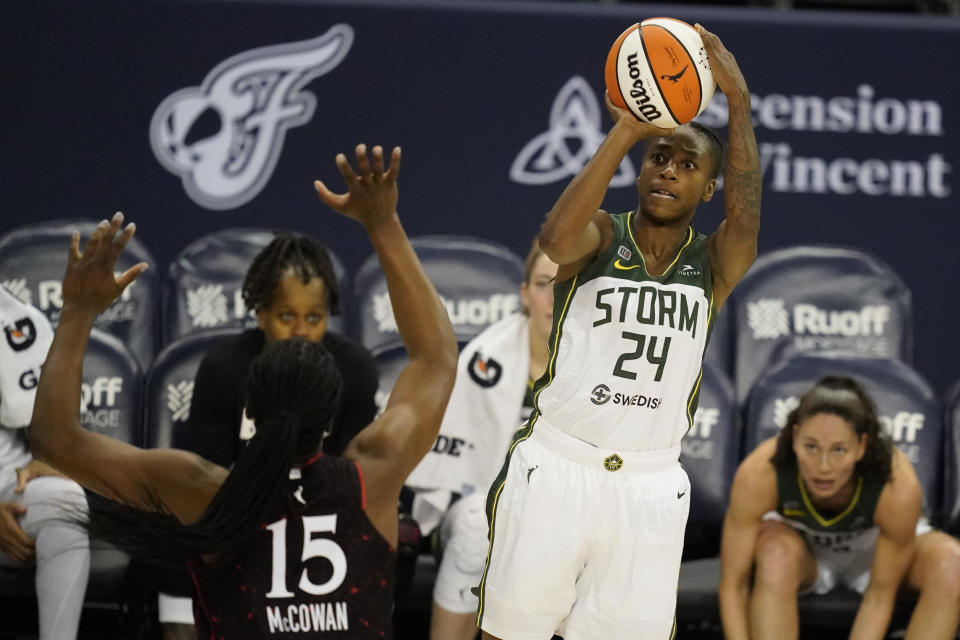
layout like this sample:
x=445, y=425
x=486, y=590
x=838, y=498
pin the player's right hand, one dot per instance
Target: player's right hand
x=14, y=541
x=371, y=191
x=89, y=283
x=642, y=130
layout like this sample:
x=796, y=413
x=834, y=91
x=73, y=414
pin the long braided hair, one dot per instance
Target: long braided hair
x=292, y=393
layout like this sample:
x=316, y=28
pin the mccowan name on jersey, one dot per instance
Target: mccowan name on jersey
x=308, y=618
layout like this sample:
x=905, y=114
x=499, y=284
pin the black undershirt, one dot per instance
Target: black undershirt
x=213, y=428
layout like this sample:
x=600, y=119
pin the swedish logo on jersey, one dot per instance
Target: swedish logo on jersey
x=613, y=463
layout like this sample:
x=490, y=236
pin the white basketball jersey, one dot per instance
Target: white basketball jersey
x=626, y=350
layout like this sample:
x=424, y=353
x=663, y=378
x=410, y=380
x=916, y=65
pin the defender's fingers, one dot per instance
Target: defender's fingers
x=131, y=274
x=334, y=200
x=345, y=169
x=110, y=235
x=378, y=160
x=363, y=162
x=93, y=242
x=394, y=169
x=74, y=253
x=120, y=243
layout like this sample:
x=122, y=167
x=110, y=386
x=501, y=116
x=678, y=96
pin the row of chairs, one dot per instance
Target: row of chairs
x=792, y=307
x=201, y=288
x=796, y=300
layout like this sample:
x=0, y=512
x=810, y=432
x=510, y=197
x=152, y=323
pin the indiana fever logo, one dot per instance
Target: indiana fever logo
x=224, y=137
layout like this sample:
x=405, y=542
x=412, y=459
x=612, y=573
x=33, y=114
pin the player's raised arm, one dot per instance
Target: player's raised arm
x=171, y=480
x=570, y=235
x=393, y=444
x=733, y=247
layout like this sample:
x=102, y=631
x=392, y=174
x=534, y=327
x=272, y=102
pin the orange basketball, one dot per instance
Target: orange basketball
x=658, y=70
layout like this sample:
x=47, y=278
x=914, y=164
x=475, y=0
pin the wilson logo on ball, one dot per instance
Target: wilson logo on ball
x=658, y=70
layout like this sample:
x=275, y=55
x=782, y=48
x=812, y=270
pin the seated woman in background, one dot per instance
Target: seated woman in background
x=830, y=502
x=493, y=395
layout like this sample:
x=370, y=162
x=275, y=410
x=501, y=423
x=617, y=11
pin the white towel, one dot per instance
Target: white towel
x=484, y=411
x=23, y=348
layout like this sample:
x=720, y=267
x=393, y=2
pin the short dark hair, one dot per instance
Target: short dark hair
x=843, y=397
x=714, y=144
x=307, y=257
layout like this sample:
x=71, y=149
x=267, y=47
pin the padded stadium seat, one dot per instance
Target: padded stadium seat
x=389, y=365
x=111, y=403
x=203, y=291
x=951, y=493
x=817, y=298
x=112, y=389
x=478, y=280
x=32, y=261
x=710, y=456
x=169, y=388
x=908, y=408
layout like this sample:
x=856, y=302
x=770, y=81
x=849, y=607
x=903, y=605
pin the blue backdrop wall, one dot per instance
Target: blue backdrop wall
x=194, y=116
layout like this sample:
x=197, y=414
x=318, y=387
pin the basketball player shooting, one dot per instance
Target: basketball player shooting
x=289, y=541
x=588, y=514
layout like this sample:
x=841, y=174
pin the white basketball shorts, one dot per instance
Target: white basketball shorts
x=847, y=565
x=584, y=542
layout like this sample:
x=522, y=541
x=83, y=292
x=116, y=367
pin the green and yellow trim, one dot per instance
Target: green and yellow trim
x=633, y=240
x=813, y=510
x=493, y=499
x=552, y=363
x=696, y=388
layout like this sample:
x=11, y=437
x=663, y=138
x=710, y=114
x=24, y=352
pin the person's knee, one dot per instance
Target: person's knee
x=467, y=545
x=52, y=500
x=779, y=553
x=943, y=574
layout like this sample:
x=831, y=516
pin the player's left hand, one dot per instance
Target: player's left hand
x=89, y=283
x=34, y=469
x=724, y=66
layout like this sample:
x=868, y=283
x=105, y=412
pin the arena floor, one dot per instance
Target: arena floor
x=19, y=624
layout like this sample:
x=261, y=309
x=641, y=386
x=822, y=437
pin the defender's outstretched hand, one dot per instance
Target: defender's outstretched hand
x=371, y=192
x=89, y=283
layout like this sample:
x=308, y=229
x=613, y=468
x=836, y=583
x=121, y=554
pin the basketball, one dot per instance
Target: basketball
x=658, y=70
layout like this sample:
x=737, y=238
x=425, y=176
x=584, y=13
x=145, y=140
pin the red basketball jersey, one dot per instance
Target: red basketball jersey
x=316, y=568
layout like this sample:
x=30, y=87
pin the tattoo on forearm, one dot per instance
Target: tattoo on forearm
x=743, y=178
x=742, y=193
